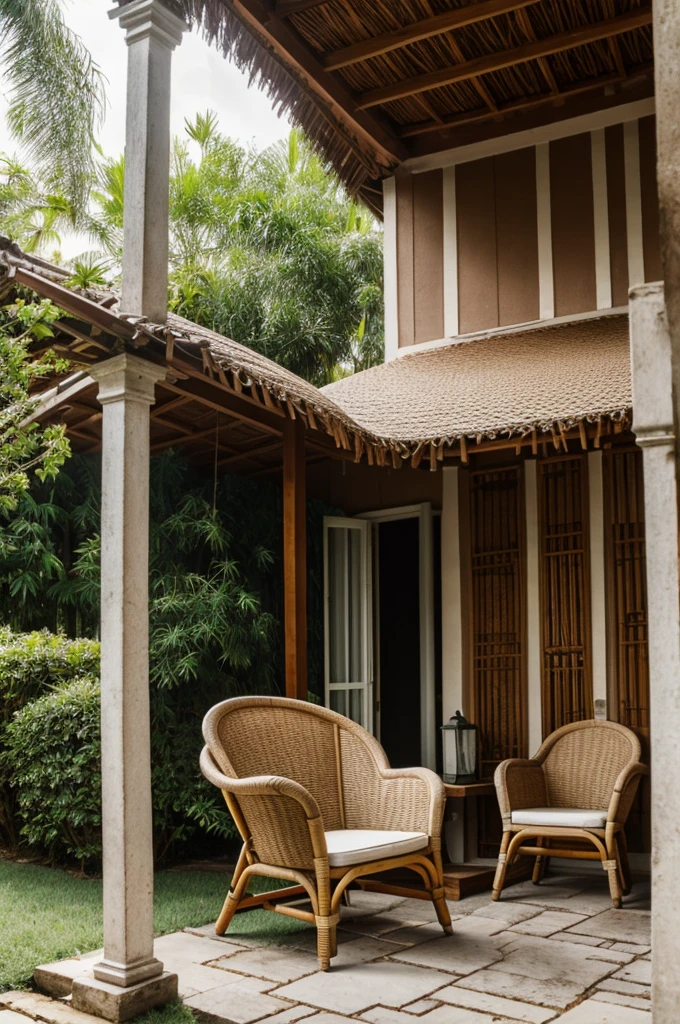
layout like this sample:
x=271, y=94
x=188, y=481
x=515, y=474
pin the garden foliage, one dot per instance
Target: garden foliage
x=216, y=602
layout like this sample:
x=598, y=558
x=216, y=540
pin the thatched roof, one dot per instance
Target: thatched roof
x=542, y=381
x=373, y=84
x=536, y=384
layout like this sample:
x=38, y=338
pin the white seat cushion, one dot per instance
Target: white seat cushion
x=347, y=846
x=572, y=816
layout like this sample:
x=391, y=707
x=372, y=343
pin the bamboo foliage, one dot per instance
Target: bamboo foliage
x=565, y=591
x=498, y=647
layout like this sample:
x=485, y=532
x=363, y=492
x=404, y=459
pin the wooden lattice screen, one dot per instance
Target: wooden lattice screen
x=565, y=591
x=498, y=645
x=627, y=588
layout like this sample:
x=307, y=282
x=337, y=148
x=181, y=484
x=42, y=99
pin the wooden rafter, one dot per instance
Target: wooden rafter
x=286, y=42
x=507, y=58
x=479, y=115
x=424, y=29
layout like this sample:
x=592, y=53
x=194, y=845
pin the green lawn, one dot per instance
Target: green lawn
x=47, y=915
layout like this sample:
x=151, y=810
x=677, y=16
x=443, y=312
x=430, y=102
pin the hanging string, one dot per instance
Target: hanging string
x=217, y=448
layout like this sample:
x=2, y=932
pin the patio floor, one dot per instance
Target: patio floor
x=554, y=952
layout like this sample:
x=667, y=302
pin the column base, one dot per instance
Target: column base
x=112, y=1002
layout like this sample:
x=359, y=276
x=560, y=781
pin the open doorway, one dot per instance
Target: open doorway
x=382, y=574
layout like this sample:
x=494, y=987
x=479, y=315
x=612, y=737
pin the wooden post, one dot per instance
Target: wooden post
x=295, y=558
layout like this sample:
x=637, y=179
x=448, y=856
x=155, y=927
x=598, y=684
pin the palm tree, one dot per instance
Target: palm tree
x=56, y=92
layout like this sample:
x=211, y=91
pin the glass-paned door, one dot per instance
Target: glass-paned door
x=348, y=618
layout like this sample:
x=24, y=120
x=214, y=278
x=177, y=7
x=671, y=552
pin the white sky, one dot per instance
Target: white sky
x=201, y=79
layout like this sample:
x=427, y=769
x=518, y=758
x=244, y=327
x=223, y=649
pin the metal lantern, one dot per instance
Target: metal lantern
x=459, y=740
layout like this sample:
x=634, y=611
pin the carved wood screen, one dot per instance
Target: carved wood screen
x=627, y=588
x=497, y=621
x=565, y=591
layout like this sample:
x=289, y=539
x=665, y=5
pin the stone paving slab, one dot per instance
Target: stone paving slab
x=547, y=923
x=240, y=1000
x=620, y=925
x=354, y=989
x=36, y=1005
x=620, y=999
x=512, y=1008
x=594, y=1012
x=442, y=1015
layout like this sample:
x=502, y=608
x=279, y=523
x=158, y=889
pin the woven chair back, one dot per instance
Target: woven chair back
x=264, y=739
x=584, y=761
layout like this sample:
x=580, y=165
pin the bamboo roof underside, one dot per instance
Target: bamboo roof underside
x=225, y=405
x=375, y=82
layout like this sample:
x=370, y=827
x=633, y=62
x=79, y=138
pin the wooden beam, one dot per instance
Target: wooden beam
x=295, y=558
x=517, y=106
x=425, y=29
x=340, y=101
x=507, y=58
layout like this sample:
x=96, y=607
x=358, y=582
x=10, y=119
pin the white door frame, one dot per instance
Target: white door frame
x=428, y=718
x=366, y=683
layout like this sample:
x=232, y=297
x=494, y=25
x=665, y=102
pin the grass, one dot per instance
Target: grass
x=47, y=915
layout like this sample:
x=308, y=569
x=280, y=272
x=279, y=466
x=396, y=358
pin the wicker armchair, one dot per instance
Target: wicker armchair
x=317, y=803
x=579, y=786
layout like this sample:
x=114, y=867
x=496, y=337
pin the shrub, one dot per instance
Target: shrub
x=31, y=665
x=53, y=758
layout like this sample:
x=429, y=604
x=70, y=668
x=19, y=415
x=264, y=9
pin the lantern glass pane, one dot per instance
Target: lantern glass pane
x=466, y=751
x=450, y=759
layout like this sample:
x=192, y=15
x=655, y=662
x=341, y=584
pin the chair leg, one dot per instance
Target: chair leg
x=501, y=870
x=234, y=896
x=624, y=864
x=326, y=940
x=439, y=893
x=611, y=866
x=540, y=865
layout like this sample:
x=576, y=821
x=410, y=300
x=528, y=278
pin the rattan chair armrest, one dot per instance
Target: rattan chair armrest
x=520, y=783
x=259, y=785
x=433, y=797
x=624, y=792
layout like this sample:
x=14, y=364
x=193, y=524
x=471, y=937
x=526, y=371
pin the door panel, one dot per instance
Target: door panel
x=348, y=619
x=565, y=591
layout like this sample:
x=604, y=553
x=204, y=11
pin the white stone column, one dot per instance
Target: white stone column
x=128, y=979
x=151, y=32
x=653, y=425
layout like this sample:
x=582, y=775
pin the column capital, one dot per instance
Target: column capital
x=127, y=377
x=651, y=364
x=150, y=19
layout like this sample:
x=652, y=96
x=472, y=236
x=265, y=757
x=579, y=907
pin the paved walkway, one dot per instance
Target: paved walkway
x=557, y=952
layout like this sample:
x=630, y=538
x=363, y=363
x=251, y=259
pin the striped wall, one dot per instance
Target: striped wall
x=552, y=229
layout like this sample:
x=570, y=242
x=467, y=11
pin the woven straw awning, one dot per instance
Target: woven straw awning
x=543, y=380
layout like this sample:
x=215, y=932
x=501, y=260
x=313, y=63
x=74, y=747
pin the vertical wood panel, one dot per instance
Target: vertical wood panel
x=650, y=200
x=573, y=236
x=428, y=256
x=477, y=265
x=631, y=163
x=616, y=199
x=627, y=588
x=405, y=307
x=565, y=591
x=517, y=236
x=627, y=614
x=603, y=279
x=498, y=600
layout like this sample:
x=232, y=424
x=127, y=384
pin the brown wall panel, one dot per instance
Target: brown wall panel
x=517, y=236
x=650, y=199
x=356, y=488
x=573, y=241
x=428, y=256
x=477, y=264
x=404, y=189
x=616, y=202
